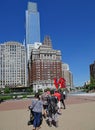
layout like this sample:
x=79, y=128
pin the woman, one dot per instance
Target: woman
x=37, y=107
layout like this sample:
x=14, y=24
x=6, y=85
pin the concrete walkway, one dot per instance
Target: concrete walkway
x=74, y=117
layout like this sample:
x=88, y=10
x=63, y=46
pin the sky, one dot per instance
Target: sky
x=69, y=23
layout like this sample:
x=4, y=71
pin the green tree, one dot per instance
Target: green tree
x=7, y=90
x=92, y=80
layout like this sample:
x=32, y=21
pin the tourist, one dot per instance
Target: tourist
x=44, y=98
x=58, y=95
x=52, y=110
x=62, y=99
x=37, y=107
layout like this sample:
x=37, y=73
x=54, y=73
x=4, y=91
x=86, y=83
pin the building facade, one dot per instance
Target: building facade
x=32, y=24
x=30, y=47
x=44, y=66
x=92, y=71
x=12, y=65
x=66, y=73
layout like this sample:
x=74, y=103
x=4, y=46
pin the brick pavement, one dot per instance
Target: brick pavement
x=24, y=103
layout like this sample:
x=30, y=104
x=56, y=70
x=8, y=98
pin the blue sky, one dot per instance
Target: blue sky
x=70, y=24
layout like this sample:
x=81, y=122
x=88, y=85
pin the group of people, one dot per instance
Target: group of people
x=47, y=105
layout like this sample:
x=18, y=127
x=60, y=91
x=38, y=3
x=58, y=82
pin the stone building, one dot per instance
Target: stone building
x=45, y=64
x=12, y=65
x=67, y=75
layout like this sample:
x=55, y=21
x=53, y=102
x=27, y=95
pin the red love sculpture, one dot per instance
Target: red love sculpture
x=61, y=82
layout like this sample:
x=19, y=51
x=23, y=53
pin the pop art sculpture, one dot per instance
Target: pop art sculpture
x=61, y=82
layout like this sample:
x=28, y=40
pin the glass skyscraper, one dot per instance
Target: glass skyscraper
x=32, y=24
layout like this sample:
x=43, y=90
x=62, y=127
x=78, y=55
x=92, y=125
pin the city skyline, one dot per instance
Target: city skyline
x=70, y=24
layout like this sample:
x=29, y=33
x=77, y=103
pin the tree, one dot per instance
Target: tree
x=92, y=80
x=7, y=90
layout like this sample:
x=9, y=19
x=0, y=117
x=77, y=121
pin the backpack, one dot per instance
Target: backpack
x=52, y=104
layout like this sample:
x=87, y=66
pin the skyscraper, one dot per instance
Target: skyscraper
x=12, y=65
x=32, y=24
x=45, y=64
x=66, y=73
x=92, y=72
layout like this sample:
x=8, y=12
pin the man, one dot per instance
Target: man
x=44, y=98
x=52, y=110
x=62, y=99
x=58, y=95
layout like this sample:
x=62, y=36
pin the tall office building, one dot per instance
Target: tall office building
x=32, y=24
x=12, y=65
x=66, y=73
x=30, y=47
x=92, y=72
x=45, y=65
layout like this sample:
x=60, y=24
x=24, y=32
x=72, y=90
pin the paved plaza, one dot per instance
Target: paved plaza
x=78, y=115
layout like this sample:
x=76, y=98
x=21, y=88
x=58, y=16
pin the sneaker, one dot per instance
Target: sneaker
x=38, y=128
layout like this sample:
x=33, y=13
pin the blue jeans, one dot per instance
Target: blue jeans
x=37, y=119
